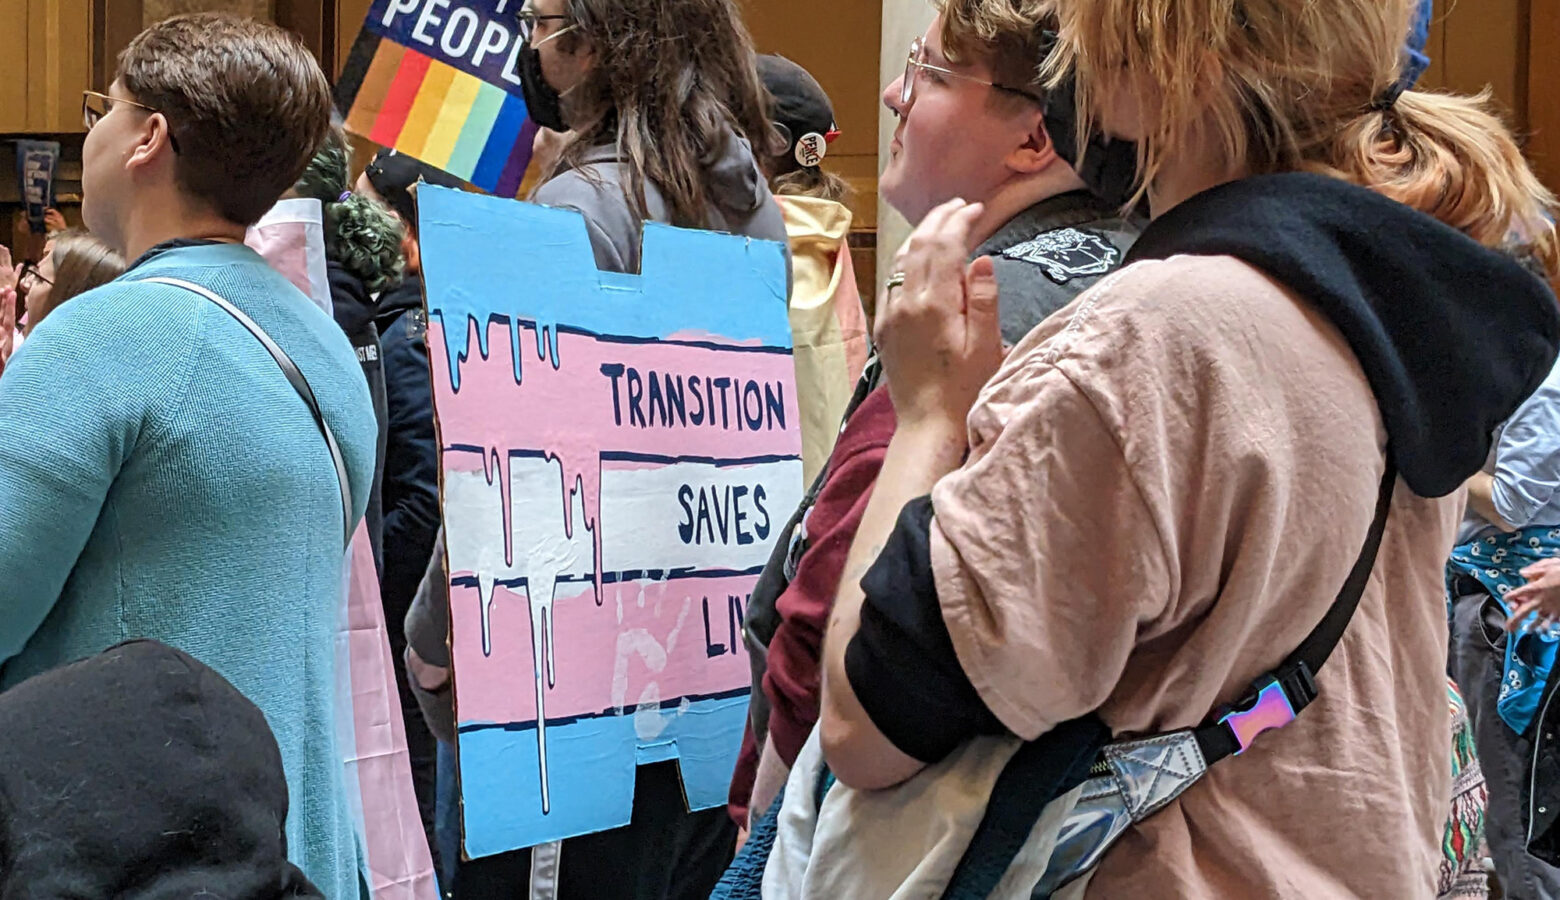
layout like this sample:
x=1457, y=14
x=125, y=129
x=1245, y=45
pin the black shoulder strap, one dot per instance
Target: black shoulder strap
x=761, y=618
x=295, y=378
x=1279, y=695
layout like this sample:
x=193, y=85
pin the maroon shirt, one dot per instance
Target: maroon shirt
x=793, y=679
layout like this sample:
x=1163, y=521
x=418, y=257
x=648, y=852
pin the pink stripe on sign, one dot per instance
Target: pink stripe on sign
x=662, y=649
x=602, y=396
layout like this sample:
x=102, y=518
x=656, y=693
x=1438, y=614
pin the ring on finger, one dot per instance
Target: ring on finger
x=895, y=280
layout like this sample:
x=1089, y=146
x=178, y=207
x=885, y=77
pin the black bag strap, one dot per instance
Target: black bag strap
x=761, y=618
x=1058, y=761
x=294, y=377
x=1294, y=681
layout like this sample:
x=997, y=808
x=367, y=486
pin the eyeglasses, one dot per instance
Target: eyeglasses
x=30, y=277
x=917, y=63
x=94, y=106
x=528, y=17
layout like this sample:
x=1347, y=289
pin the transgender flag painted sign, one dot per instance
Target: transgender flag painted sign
x=620, y=452
x=439, y=80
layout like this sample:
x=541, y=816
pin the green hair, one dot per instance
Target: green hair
x=360, y=233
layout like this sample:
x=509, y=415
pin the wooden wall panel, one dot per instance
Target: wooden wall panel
x=349, y=16
x=154, y=11
x=1543, y=118
x=835, y=40
x=66, y=66
x=1485, y=43
x=315, y=22
x=14, y=75
x=116, y=24
x=41, y=81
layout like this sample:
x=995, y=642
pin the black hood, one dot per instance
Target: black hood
x=395, y=301
x=140, y=774
x=352, y=304
x=1452, y=336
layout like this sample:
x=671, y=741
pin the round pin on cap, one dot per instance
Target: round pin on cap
x=811, y=148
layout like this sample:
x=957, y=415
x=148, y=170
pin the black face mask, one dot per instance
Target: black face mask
x=542, y=102
x=1109, y=167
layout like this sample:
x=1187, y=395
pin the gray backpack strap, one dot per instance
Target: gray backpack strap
x=295, y=378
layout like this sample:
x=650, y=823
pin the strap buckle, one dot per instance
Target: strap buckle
x=1274, y=702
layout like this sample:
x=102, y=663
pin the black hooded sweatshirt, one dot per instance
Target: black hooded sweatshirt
x=355, y=309
x=140, y=774
x=1452, y=337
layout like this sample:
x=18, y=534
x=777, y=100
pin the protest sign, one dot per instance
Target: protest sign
x=439, y=80
x=619, y=453
x=36, y=162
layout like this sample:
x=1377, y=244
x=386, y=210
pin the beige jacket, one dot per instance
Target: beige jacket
x=828, y=324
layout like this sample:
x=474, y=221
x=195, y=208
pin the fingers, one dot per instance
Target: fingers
x=935, y=254
x=1519, y=611
x=923, y=261
x=983, y=334
x=1540, y=568
x=926, y=260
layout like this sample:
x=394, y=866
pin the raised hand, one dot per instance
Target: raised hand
x=1540, y=595
x=937, y=327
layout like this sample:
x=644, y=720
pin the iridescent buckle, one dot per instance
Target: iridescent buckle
x=1271, y=709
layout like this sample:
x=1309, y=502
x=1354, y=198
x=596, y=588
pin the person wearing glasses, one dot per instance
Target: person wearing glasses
x=74, y=262
x=1117, y=527
x=661, y=102
x=656, y=105
x=972, y=124
x=160, y=474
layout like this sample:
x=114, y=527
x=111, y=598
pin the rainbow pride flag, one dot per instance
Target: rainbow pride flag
x=437, y=81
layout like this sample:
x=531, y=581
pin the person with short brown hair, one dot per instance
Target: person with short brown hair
x=151, y=446
x=241, y=133
x=974, y=122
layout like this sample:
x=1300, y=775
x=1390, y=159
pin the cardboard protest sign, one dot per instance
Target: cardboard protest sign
x=439, y=80
x=619, y=453
x=36, y=162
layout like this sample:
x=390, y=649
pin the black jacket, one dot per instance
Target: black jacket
x=355, y=309
x=410, y=490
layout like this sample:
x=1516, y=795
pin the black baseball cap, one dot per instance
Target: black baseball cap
x=392, y=174
x=801, y=108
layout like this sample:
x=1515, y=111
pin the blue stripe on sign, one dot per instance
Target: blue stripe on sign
x=506, y=130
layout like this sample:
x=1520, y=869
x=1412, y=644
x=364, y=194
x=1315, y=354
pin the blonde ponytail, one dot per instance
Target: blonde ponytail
x=1451, y=157
x=1288, y=85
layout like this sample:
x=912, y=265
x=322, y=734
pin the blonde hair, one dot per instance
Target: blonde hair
x=1006, y=35
x=1306, y=85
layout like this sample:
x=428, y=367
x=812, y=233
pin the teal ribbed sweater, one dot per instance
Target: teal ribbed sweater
x=160, y=478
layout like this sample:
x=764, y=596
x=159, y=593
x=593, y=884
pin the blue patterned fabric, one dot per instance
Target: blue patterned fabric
x=744, y=878
x=1496, y=562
